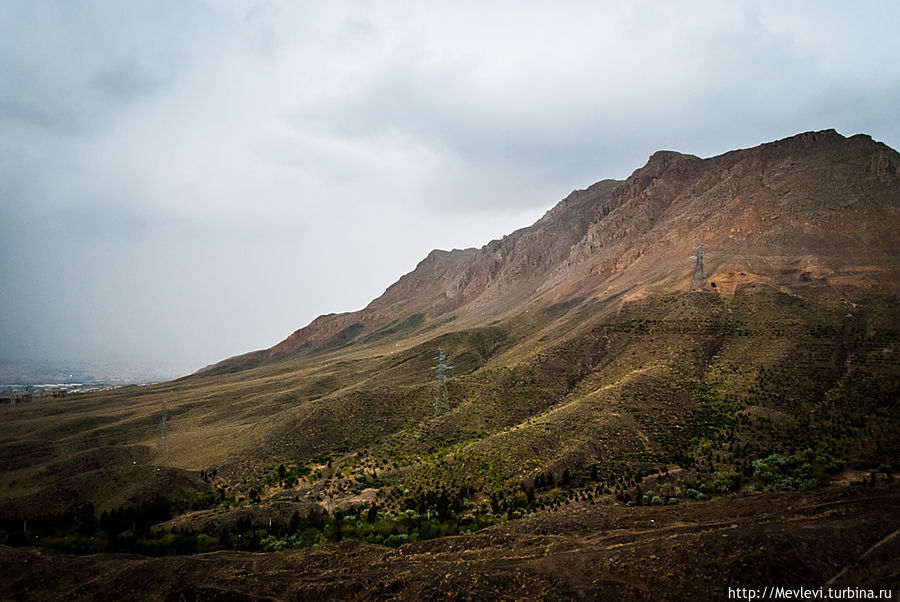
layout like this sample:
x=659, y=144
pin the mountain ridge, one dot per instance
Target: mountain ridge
x=604, y=240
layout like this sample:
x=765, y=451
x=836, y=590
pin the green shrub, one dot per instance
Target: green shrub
x=695, y=495
x=396, y=539
x=724, y=481
x=778, y=472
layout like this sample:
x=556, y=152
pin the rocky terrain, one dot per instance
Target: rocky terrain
x=813, y=208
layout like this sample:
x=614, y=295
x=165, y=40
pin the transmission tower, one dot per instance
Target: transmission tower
x=441, y=400
x=163, y=448
x=699, y=279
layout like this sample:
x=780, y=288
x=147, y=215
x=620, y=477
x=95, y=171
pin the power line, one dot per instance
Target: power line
x=441, y=399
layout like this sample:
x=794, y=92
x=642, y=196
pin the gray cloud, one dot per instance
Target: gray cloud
x=189, y=182
x=127, y=81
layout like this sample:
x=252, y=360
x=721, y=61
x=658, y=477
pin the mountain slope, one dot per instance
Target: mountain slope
x=578, y=348
x=601, y=391
x=813, y=209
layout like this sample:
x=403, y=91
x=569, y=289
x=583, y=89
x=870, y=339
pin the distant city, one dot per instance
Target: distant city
x=48, y=379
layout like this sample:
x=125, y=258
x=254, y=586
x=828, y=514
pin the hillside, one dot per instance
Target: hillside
x=590, y=364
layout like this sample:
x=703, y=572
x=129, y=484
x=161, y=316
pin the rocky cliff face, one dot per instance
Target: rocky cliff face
x=818, y=206
x=814, y=209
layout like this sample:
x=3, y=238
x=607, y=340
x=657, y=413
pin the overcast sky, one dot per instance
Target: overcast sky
x=185, y=181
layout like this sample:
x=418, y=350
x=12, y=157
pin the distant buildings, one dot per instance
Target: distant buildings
x=12, y=394
x=16, y=398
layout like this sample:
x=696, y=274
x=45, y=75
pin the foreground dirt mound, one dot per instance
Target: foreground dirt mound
x=841, y=535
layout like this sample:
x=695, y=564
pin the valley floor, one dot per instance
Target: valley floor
x=840, y=535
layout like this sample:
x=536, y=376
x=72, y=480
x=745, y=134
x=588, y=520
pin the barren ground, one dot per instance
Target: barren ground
x=846, y=535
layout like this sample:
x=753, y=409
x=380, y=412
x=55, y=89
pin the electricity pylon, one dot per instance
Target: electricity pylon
x=441, y=400
x=162, y=456
x=699, y=279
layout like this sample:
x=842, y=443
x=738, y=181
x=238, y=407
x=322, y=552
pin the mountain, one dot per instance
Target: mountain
x=814, y=209
x=705, y=328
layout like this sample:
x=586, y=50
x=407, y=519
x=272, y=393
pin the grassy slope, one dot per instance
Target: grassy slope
x=628, y=387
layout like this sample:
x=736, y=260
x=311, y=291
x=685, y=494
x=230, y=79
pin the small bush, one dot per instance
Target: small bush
x=695, y=495
x=724, y=481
